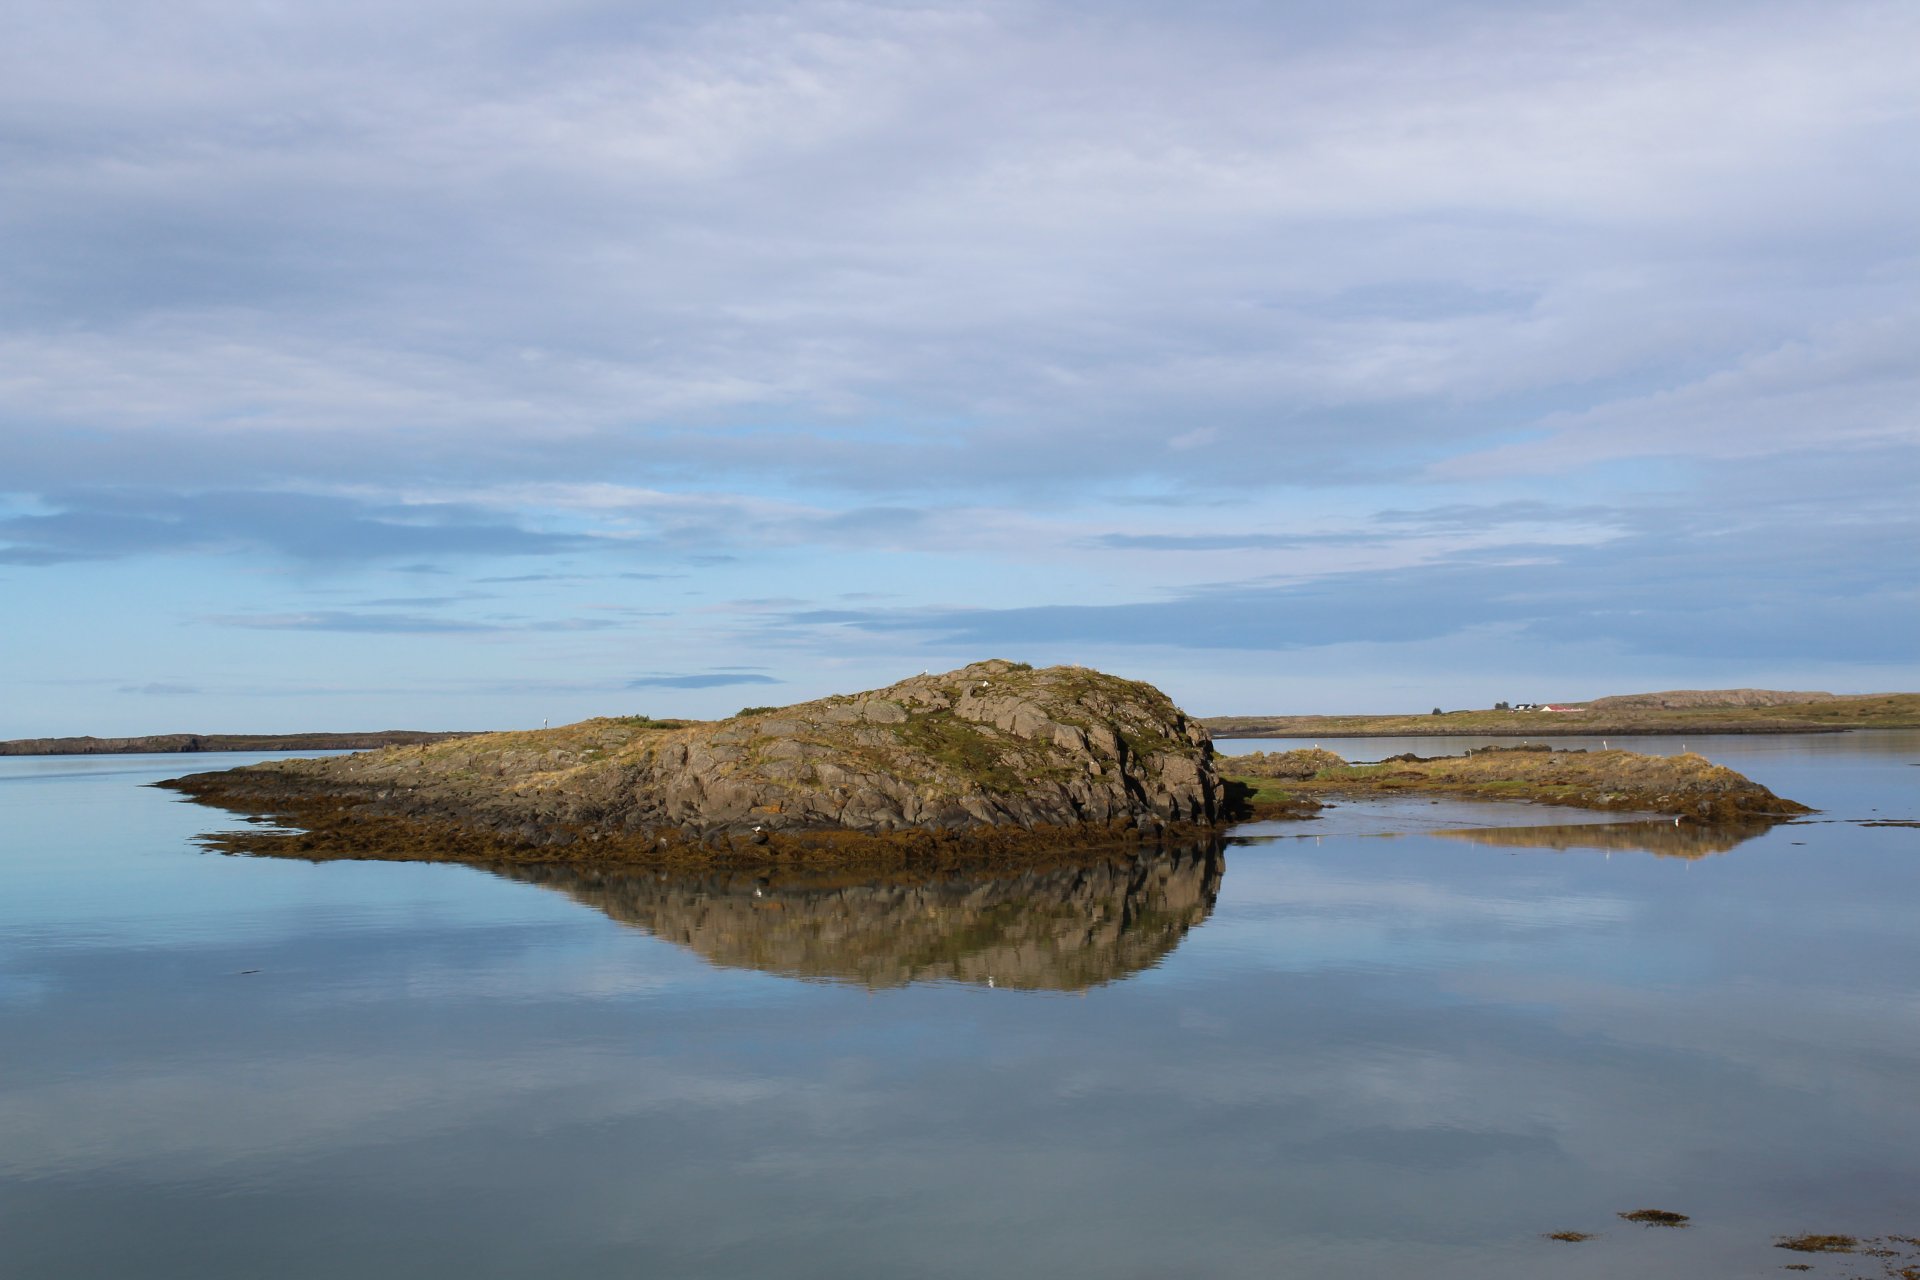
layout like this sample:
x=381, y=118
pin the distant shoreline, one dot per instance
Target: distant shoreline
x=1678, y=712
x=1604, y=730
x=187, y=743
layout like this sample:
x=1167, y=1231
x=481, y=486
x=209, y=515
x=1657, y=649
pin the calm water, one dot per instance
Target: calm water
x=1399, y=1041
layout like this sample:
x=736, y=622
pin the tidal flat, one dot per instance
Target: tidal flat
x=1411, y=1034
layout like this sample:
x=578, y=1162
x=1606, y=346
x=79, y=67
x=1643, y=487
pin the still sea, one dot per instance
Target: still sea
x=1399, y=1040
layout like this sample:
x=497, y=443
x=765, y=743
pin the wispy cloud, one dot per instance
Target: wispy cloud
x=117, y=524
x=1686, y=586
x=347, y=620
x=710, y=680
x=1231, y=541
x=399, y=623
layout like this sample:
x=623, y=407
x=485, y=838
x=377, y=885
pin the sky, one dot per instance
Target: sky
x=477, y=365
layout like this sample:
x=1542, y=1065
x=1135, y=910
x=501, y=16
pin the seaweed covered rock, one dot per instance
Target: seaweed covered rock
x=1685, y=785
x=1287, y=766
x=995, y=747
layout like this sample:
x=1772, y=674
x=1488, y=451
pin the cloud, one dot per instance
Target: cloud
x=1752, y=583
x=346, y=620
x=1378, y=314
x=1853, y=388
x=117, y=524
x=1231, y=541
x=929, y=247
x=712, y=680
x=399, y=623
x=419, y=602
x=160, y=689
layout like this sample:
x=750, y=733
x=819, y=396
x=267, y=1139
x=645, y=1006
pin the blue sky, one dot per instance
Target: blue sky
x=472, y=365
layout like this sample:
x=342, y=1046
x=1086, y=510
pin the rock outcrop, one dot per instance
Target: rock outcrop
x=1065, y=754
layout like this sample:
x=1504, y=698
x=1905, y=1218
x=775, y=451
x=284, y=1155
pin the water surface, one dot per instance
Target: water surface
x=1387, y=1042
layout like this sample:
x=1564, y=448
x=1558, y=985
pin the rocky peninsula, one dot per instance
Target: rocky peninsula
x=993, y=760
x=1687, y=785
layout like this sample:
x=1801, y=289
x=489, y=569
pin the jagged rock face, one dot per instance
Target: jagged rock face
x=1062, y=929
x=989, y=744
x=995, y=744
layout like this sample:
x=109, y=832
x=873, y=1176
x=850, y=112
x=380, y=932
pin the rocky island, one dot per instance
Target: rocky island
x=993, y=762
x=994, y=759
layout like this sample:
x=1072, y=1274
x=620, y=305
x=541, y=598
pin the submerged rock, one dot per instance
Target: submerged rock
x=992, y=751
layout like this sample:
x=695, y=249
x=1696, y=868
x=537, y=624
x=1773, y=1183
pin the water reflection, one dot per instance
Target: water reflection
x=1662, y=837
x=1060, y=929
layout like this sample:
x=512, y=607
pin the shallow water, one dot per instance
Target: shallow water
x=1397, y=1039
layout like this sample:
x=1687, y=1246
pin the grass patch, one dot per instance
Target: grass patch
x=960, y=748
x=1570, y=1237
x=1656, y=1217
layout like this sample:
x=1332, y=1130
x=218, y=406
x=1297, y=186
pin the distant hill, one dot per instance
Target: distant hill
x=1688, y=699
x=161, y=743
x=1679, y=711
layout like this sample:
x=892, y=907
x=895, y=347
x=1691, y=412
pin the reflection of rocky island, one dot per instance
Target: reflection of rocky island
x=1664, y=839
x=1063, y=929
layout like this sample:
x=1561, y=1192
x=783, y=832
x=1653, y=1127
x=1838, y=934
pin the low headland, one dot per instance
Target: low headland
x=993, y=762
x=1688, y=785
x=171, y=743
x=1686, y=712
